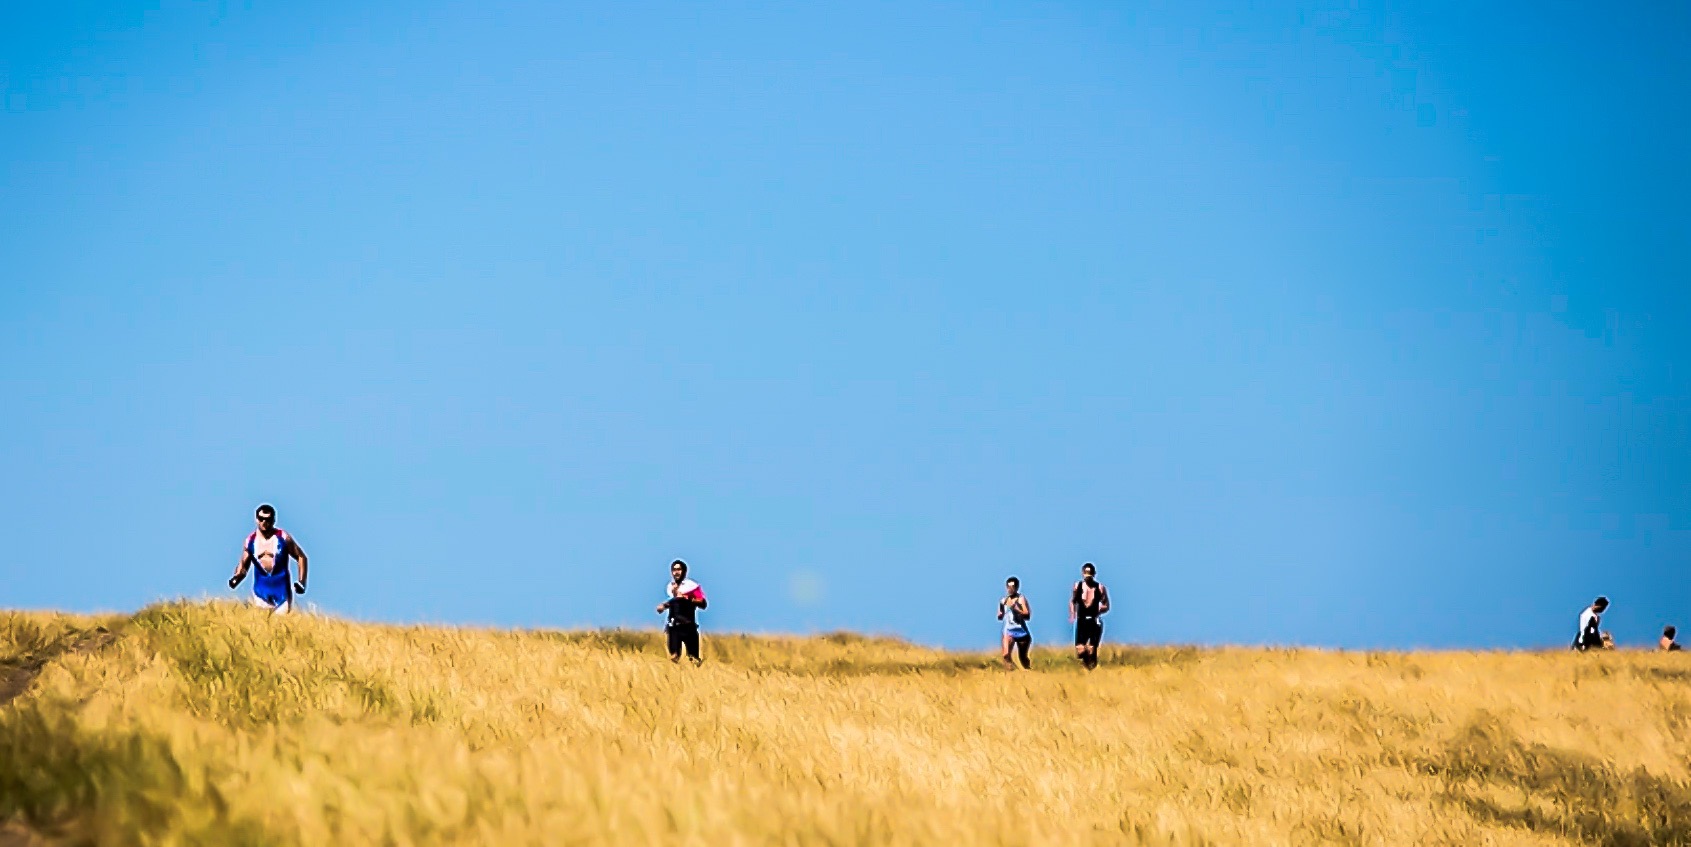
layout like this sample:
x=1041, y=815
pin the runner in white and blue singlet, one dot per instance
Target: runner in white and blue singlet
x=270, y=547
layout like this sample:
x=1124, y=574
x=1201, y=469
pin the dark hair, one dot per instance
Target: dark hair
x=1089, y=566
x=1601, y=601
x=681, y=563
x=1669, y=631
x=1012, y=579
x=264, y=509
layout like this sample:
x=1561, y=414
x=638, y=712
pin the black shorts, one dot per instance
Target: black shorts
x=1088, y=632
x=683, y=635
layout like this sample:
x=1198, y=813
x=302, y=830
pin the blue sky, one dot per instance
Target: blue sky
x=1343, y=324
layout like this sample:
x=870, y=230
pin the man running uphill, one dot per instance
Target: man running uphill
x=1591, y=635
x=1087, y=605
x=270, y=547
x=686, y=598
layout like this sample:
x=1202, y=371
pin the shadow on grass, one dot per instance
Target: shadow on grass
x=1118, y=656
x=610, y=640
x=17, y=672
x=277, y=671
x=106, y=786
x=1664, y=674
x=848, y=654
x=1045, y=660
x=948, y=666
x=1565, y=793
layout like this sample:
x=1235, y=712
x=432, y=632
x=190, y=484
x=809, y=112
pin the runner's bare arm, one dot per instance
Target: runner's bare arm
x=1027, y=608
x=1103, y=599
x=304, y=563
x=1074, y=604
x=240, y=569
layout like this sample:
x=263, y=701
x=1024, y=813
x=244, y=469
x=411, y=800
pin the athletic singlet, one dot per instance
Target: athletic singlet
x=1012, y=627
x=272, y=585
x=1589, y=621
x=685, y=614
x=1089, y=607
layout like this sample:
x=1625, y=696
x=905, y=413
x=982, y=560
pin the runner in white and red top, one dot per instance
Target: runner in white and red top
x=270, y=547
x=686, y=598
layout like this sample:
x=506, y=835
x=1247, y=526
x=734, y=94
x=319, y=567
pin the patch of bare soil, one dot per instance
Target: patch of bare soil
x=18, y=835
x=15, y=680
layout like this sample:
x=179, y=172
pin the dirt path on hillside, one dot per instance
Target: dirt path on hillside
x=15, y=681
x=17, y=835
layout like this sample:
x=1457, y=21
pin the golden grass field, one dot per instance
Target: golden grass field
x=212, y=723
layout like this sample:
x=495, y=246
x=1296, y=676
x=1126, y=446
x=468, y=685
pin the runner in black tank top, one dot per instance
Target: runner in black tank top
x=1087, y=605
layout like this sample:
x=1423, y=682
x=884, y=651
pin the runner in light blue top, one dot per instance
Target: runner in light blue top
x=1014, y=611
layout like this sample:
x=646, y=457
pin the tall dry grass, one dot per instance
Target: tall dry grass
x=196, y=723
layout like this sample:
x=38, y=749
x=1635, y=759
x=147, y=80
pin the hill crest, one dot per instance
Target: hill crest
x=193, y=722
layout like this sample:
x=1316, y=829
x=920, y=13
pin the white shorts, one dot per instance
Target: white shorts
x=281, y=609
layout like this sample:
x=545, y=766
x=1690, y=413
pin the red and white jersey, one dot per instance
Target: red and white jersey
x=685, y=614
x=686, y=588
x=270, y=554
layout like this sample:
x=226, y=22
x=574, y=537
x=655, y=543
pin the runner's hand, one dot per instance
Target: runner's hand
x=299, y=588
x=662, y=607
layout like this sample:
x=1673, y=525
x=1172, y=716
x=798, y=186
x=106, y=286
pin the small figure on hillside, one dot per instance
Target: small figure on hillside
x=1015, y=612
x=1590, y=636
x=1667, y=642
x=686, y=598
x=1087, y=604
x=270, y=547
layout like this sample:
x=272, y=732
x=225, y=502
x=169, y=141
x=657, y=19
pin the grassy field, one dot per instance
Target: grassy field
x=197, y=723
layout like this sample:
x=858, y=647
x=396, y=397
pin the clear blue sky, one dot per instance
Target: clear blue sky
x=1339, y=324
